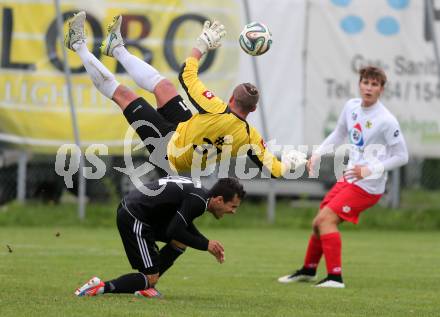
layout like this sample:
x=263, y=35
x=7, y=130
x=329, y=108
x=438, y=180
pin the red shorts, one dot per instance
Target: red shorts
x=348, y=201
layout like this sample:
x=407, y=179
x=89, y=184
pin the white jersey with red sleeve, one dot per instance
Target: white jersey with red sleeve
x=374, y=139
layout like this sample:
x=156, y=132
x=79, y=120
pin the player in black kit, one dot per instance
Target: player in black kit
x=164, y=211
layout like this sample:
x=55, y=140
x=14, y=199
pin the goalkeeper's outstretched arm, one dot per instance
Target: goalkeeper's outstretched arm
x=209, y=39
x=266, y=161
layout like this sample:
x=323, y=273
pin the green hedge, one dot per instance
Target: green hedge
x=430, y=174
x=420, y=210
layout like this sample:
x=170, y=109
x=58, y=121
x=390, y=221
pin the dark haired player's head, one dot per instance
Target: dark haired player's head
x=372, y=82
x=227, y=188
x=372, y=72
x=225, y=197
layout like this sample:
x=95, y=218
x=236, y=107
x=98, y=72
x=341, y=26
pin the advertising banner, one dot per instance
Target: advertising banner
x=344, y=36
x=34, y=108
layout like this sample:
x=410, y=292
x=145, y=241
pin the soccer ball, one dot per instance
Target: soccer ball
x=255, y=39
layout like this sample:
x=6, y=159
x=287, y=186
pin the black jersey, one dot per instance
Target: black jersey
x=170, y=208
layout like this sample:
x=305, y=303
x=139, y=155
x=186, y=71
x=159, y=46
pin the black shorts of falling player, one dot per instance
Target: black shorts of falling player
x=139, y=242
x=155, y=128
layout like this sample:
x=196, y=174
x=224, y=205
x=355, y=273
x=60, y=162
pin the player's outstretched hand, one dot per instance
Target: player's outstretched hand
x=312, y=165
x=217, y=250
x=294, y=159
x=211, y=36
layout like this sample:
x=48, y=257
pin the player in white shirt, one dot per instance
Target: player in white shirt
x=376, y=146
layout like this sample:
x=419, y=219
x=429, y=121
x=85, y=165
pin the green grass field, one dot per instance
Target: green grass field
x=386, y=273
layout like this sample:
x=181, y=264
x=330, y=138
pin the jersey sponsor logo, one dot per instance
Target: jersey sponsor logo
x=209, y=95
x=209, y=148
x=354, y=116
x=368, y=124
x=346, y=209
x=396, y=133
x=355, y=135
x=220, y=141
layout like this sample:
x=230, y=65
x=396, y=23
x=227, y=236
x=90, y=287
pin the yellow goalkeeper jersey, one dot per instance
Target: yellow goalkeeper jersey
x=214, y=133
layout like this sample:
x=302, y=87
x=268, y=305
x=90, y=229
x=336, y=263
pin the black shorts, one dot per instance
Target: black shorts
x=159, y=123
x=147, y=122
x=139, y=242
x=155, y=128
x=175, y=111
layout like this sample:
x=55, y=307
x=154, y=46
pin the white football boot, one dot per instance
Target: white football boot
x=92, y=288
x=114, y=37
x=76, y=32
x=330, y=283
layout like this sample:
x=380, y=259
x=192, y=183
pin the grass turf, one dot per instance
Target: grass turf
x=386, y=273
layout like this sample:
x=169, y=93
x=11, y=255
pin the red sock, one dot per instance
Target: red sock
x=313, y=253
x=331, y=246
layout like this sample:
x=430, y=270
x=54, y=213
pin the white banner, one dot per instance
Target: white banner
x=281, y=69
x=345, y=35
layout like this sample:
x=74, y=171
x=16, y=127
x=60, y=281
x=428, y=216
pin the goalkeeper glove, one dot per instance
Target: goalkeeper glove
x=294, y=159
x=211, y=36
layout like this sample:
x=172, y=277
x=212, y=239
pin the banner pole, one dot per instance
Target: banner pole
x=431, y=19
x=304, y=70
x=271, y=197
x=81, y=179
x=256, y=71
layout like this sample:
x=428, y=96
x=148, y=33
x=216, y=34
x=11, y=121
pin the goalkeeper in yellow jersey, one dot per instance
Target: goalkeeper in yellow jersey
x=218, y=124
x=178, y=140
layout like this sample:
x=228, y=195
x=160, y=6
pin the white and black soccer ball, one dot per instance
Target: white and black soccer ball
x=255, y=39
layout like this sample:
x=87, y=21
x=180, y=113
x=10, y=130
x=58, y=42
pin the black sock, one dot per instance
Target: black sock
x=127, y=284
x=335, y=277
x=308, y=271
x=168, y=254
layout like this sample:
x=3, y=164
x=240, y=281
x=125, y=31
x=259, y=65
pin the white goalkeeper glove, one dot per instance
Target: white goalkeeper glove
x=211, y=36
x=294, y=159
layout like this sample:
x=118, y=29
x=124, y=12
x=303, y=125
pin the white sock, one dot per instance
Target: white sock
x=102, y=78
x=145, y=75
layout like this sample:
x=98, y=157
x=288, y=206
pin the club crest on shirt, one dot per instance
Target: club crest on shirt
x=209, y=95
x=346, y=209
x=355, y=135
x=354, y=116
x=368, y=124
